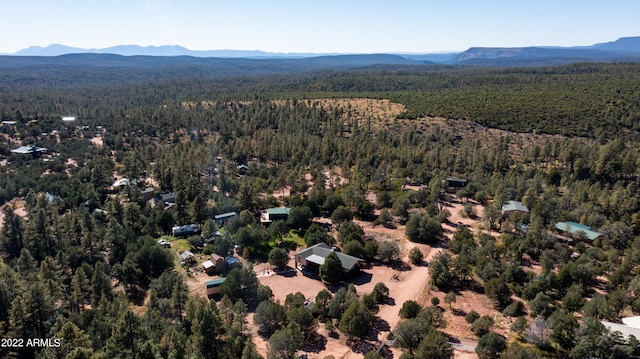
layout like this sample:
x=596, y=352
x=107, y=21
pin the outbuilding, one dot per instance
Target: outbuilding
x=213, y=286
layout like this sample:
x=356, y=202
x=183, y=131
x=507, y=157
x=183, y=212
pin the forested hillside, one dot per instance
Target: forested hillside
x=81, y=260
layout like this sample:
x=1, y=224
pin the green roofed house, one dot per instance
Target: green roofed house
x=313, y=257
x=577, y=229
x=275, y=214
x=213, y=286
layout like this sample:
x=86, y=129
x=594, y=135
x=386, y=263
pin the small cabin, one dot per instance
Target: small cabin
x=455, y=184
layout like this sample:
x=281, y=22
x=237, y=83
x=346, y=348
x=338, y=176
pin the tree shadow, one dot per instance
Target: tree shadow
x=315, y=343
x=288, y=273
x=400, y=266
x=380, y=325
x=360, y=346
x=137, y=294
x=361, y=278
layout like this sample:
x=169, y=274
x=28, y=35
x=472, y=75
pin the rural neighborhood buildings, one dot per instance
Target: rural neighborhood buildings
x=222, y=218
x=630, y=326
x=275, y=214
x=577, y=229
x=454, y=184
x=514, y=207
x=187, y=257
x=216, y=264
x=242, y=169
x=313, y=257
x=166, y=200
x=29, y=150
x=213, y=286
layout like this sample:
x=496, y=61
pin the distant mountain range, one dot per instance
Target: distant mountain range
x=625, y=49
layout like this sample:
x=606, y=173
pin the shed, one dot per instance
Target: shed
x=213, y=286
x=187, y=257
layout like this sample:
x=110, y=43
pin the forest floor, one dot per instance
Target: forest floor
x=18, y=208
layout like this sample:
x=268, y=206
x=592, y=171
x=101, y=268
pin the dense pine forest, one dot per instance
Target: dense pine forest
x=81, y=261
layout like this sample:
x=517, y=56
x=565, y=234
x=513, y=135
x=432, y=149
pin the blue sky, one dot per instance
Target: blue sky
x=347, y=26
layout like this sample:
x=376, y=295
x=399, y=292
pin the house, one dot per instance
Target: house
x=275, y=214
x=313, y=257
x=213, y=286
x=242, y=169
x=630, y=326
x=232, y=262
x=455, y=184
x=215, y=265
x=166, y=200
x=68, y=119
x=9, y=123
x=122, y=182
x=51, y=198
x=576, y=229
x=187, y=257
x=185, y=230
x=514, y=207
x=29, y=150
x=222, y=218
x=147, y=194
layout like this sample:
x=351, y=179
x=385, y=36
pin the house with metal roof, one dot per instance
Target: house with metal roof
x=576, y=229
x=187, y=257
x=222, y=218
x=29, y=150
x=313, y=257
x=630, y=326
x=275, y=214
x=242, y=169
x=454, y=184
x=514, y=206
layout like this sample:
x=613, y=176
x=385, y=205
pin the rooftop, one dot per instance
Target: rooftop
x=577, y=228
x=279, y=210
x=225, y=215
x=214, y=282
x=26, y=150
x=317, y=253
x=514, y=206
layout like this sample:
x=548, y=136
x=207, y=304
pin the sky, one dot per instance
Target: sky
x=319, y=26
